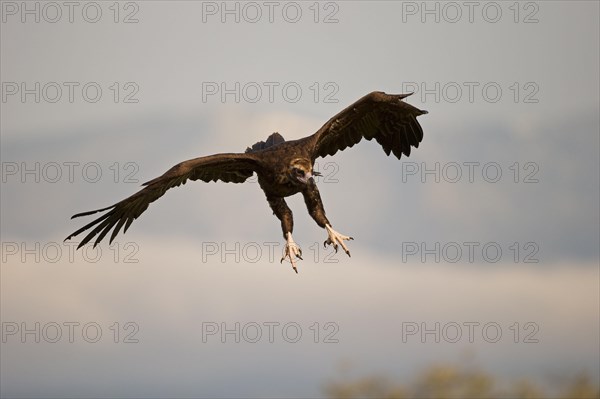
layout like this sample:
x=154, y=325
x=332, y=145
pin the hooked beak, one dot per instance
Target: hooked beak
x=308, y=178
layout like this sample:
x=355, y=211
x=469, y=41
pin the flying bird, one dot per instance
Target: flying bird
x=283, y=168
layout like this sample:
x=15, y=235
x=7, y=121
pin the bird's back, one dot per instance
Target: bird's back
x=271, y=141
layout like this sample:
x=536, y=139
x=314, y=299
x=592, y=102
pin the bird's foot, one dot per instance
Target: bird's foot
x=292, y=251
x=336, y=238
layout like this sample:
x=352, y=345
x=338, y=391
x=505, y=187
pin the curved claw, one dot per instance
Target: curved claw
x=336, y=238
x=292, y=251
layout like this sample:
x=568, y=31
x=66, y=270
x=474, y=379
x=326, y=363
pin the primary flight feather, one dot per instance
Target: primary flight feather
x=283, y=168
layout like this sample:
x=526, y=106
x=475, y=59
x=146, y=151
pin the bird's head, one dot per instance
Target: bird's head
x=301, y=171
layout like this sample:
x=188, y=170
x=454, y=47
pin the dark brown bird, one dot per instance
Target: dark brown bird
x=283, y=167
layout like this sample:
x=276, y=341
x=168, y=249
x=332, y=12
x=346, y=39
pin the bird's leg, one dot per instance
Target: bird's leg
x=292, y=251
x=312, y=198
x=283, y=213
x=336, y=238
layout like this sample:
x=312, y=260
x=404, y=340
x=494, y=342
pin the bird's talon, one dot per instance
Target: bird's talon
x=336, y=239
x=291, y=252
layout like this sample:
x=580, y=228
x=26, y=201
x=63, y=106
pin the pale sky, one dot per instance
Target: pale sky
x=509, y=162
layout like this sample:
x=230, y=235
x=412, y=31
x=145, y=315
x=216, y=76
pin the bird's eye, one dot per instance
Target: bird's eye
x=299, y=172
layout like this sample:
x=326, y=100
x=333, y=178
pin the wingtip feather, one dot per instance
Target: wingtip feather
x=91, y=212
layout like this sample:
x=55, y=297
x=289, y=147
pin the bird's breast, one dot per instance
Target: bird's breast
x=277, y=185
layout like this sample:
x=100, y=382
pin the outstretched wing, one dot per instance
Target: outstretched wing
x=235, y=168
x=384, y=117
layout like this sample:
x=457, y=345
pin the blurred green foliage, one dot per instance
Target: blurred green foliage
x=450, y=382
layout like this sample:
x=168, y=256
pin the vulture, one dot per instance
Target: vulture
x=283, y=168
